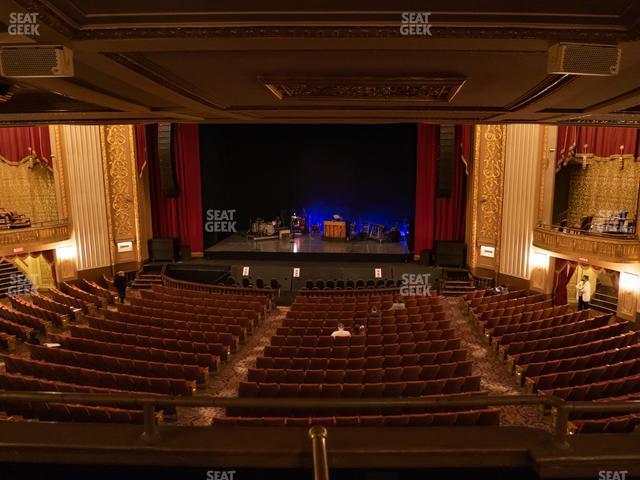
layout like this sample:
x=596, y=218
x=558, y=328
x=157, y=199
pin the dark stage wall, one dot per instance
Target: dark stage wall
x=365, y=173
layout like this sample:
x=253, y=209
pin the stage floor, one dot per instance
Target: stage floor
x=308, y=246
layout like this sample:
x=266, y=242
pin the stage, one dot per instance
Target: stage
x=308, y=247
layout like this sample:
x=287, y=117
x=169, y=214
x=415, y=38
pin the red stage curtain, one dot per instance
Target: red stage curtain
x=599, y=141
x=182, y=216
x=563, y=272
x=186, y=143
x=20, y=142
x=450, y=211
x=427, y=151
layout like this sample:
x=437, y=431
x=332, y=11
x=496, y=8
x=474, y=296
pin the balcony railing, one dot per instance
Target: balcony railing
x=603, y=246
x=42, y=232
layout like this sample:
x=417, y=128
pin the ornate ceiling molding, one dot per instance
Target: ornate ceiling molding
x=399, y=89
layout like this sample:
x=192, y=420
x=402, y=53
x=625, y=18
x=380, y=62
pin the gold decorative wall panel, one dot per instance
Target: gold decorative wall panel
x=30, y=191
x=486, y=193
x=121, y=189
x=603, y=186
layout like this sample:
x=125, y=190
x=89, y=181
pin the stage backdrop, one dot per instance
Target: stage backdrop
x=365, y=173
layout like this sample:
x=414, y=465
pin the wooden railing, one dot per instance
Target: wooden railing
x=597, y=246
x=44, y=232
x=168, y=281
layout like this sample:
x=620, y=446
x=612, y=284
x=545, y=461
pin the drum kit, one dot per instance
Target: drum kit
x=262, y=228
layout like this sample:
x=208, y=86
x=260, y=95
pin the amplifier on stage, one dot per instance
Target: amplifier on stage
x=335, y=230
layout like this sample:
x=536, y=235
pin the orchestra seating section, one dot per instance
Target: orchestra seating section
x=404, y=352
x=574, y=355
x=167, y=343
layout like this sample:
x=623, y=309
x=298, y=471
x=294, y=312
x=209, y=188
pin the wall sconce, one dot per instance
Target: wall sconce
x=539, y=260
x=584, y=157
x=67, y=252
x=621, y=158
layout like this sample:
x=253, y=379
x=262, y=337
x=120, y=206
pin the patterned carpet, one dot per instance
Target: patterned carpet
x=495, y=378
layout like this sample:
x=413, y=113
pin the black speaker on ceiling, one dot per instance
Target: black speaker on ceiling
x=166, y=160
x=446, y=155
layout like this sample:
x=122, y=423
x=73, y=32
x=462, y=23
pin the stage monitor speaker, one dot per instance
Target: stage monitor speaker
x=166, y=160
x=164, y=249
x=449, y=253
x=446, y=155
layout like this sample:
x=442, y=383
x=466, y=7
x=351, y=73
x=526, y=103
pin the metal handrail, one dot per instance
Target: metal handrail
x=318, y=435
x=151, y=434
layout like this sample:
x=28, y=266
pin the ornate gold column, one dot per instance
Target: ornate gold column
x=121, y=194
x=486, y=195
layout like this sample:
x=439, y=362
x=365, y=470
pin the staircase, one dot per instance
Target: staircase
x=12, y=280
x=456, y=282
x=605, y=302
x=147, y=277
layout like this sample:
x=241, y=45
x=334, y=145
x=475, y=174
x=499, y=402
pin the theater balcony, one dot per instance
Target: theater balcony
x=24, y=239
x=623, y=248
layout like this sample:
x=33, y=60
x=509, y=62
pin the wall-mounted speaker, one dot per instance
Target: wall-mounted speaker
x=584, y=59
x=446, y=155
x=166, y=160
x=36, y=61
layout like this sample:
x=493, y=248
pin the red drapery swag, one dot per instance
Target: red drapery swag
x=563, y=272
x=20, y=144
x=182, y=216
x=599, y=141
x=440, y=218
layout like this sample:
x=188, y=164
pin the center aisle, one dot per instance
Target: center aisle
x=226, y=381
x=494, y=377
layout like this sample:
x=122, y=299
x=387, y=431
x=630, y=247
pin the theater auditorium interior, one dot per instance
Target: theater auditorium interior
x=348, y=240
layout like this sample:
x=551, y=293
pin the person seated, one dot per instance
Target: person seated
x=341, y=332
x=358, y=329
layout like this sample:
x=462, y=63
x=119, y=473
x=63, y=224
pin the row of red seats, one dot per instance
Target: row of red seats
x=232, y=293
x=51, y=304
x=25, y=383
x=320, y=321
x=523, y=305
x=580, y=337
x=408, y=301
x=22, y=305
x=370, y=375
x=416, y=388
x=106, y=363
x=590, y=360
x=548, y=322
x=243, y=302
x=244, y=323
x=219, y=343
x=624, y=339
x=384, y=307
x=138, y=353
x=363, y=351
x=499, y=302
x=7, y=341
x=61, y=297
x=596, y=374
x=538, y=311
x=379, y=361
x=15, y=329
x=235, y=330
x=98, y=290
x=25, y=319
x=481, y=417
x=358, y=340
x=619, y=424
x=370, y=329
x=476, y=302
x=77, y=292
x=146, y=342
x=347, y=293
x=597, y=390
x=61, y=412
x=556, y=330
x=252, y=315
x=85, y=376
